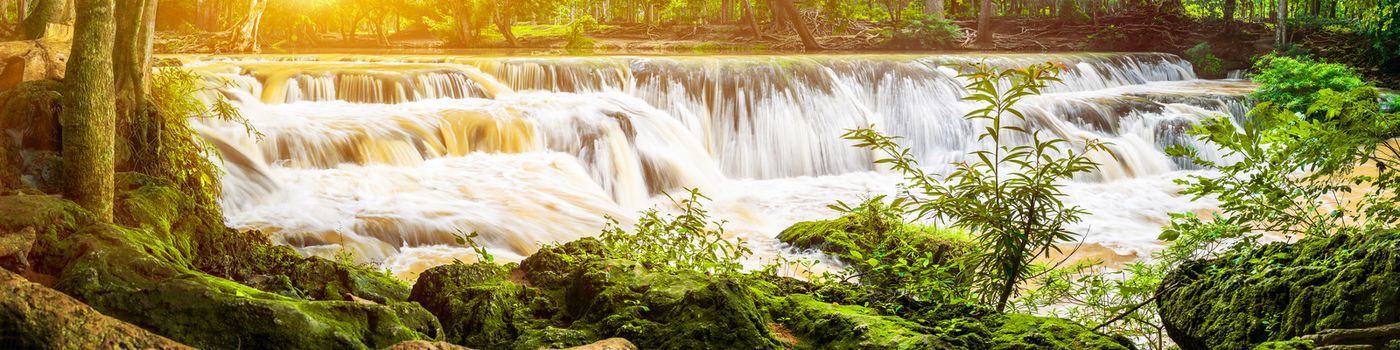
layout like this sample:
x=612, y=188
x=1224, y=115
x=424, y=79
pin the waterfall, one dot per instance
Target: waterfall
x=385, y=154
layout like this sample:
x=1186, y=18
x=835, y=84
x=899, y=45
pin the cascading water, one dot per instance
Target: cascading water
x=389, y=157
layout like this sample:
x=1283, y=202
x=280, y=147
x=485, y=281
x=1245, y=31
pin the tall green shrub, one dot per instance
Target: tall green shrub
x=1008, y=196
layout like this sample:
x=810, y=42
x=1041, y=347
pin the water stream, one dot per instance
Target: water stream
x=388, y=157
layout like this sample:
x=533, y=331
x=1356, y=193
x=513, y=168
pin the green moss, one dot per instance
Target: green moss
x=552, y=267
x=1294, y=344
x=476, y=305
x=841, y=235
x=819, y=235
x=1282, y=291
x=142, y=271
x=1018, y=331
x=822, y=325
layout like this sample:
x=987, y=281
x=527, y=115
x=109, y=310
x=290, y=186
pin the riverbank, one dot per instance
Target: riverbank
x=1134, y=32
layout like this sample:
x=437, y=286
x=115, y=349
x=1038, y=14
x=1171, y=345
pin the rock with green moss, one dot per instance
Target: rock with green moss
x=35, y=317
x=569, y=295
x=822, y=325
x=142, y=270
x=1282, y=291
x=858, y=232
x=510, y=307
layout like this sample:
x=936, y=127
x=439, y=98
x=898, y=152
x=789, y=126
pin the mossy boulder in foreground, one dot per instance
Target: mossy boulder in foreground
x=1285, y=291
x=568, y=295
x=143, y=270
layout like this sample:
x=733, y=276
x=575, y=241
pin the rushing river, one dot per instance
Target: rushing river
x=388, y=157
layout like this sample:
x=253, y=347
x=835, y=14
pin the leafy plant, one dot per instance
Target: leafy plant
x=470, y=241
x=1291, y=83
x=1295, y=173
x=1115, y=301
x=183, y=157
x=681, y=242
x=1008, y=197
x=1204, y=60
x=576, y=36
x=921, y=31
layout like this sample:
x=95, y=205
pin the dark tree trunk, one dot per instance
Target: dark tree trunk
x=1282, y=33
x=503, y=23
x=789, y=10
x=89, y=111
x=1230, y=17
x=779, y=18
x=751, y=19
x=131, y=68
x=45, y=12
x=984, y=24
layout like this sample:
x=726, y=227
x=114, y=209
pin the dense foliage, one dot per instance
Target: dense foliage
x=1292, y=82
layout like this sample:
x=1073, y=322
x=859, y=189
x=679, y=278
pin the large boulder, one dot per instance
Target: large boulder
x=1284, y=291
x=142, y=270
x=33, y=316
x=568, y=295
x=22, y=61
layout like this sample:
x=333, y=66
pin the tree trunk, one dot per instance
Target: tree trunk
x=984, y=24
x=779, y=21
x=243, y=36
x=45, y=12
x=789, y=10
x=1282, y=33
x=89, y=116
x=131, y=68
x=503, y=24
x=934, y=8
x=21, y=9
x=1230, y=17
x=751, y=19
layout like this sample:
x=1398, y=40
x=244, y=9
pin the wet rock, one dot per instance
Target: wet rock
x=1280, y=292
x=36, y=317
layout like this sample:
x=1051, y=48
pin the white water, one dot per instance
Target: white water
x=389, y=156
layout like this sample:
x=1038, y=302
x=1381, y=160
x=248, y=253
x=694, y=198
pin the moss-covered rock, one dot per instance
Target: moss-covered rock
x=855, y=232
x=823, y=325
x=568, y=295
x=142, y=270
x=484, y=306
x=1282, y=291
x=36, y=317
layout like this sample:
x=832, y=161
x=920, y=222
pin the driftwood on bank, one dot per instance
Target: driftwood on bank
x=1357, y=338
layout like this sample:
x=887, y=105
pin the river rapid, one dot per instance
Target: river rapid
x=387, y=157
